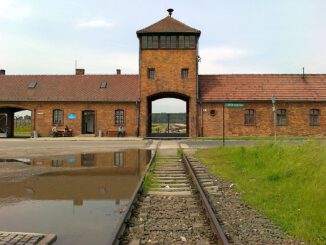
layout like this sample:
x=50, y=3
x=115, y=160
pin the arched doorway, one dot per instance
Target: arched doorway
x=168, y=115
x=15, y=122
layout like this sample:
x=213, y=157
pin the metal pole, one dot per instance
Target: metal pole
x=274, y=114
x=223, y=134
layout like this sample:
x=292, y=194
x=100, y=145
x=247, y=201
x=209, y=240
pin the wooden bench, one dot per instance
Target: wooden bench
x=61, y=132
x=115, y=132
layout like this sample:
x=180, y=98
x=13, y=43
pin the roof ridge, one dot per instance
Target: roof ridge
x=165, y=25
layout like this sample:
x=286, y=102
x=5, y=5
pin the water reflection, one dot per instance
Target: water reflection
x=81, y=205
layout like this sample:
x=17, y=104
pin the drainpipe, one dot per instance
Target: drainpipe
x=138, y=117
x=202, y=120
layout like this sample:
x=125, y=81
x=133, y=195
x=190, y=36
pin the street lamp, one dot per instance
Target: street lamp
x=274, y=114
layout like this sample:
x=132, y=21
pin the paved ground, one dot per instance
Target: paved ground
x=26, y=147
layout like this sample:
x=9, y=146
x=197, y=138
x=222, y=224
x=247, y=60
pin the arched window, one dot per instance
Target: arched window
x=57, y=117
x=119, y=117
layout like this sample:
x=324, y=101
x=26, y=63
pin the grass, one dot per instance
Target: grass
x=25, y=129
x=287, y=183
x=150, y=181
x=267, y=138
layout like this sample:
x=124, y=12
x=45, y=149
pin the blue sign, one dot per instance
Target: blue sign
x=72, y=116
x=71, y=160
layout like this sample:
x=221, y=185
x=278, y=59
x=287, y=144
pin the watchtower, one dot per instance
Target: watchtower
x=168, y=68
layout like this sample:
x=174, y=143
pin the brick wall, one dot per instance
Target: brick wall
x=298, y=120
x=42, y=113
x=168, y=65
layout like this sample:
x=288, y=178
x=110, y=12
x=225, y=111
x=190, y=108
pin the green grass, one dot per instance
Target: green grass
x=267, y=138
x=287, y=183
x=150, y=181
x=23, y=129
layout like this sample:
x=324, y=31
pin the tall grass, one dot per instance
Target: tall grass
x=287, y=183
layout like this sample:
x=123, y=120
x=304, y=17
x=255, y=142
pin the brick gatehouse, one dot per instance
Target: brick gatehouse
x=239, y=105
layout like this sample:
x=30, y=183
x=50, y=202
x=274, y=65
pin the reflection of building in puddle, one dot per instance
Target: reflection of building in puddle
x=108, y=159
x=77, y=187
x=115, y=177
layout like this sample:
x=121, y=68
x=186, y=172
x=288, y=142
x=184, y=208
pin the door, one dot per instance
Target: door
x=88, y=122
x=3, y=125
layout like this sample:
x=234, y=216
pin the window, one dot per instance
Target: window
x=103, y=85
x=249, y=117
x=187, y=42
x=32, y=85
x=57, y=117
x=155, y=42
x=181, y=41
x=281, y=117
x=119, y=118
x=119, y=159
x=144, y=42
x=184, y=73
x=151, y=73
x=162, y=41
x=173, y=41
x=314, y=117
x=192, y=42
x=168, y=42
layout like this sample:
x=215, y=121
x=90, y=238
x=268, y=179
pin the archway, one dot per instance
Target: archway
x=15, y=122
x=168, y=115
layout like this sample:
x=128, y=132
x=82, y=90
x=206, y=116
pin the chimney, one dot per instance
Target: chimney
x=118, y=71
x=80, y=71
x=2, y=72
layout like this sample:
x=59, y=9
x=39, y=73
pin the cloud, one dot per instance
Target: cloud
x=94, y=24
x=9, y=9
x=218, y=59
x=222, y=53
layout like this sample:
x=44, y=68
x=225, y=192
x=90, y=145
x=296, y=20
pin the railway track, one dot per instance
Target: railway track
x=175, y=210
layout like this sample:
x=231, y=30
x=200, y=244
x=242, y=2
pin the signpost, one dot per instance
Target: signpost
x=274, y=114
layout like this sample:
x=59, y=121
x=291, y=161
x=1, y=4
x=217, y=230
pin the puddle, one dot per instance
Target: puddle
x=82, y=206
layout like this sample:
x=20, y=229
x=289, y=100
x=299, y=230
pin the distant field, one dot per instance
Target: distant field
x=287, y=183
x=23, y=130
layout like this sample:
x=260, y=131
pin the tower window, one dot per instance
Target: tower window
x=151, y=73
x=184, y=73
x=173, y=41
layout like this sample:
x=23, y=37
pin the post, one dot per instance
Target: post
x=223, y=133
x=274, y=115
x=169, y=124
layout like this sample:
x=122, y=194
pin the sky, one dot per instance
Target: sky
x=252, y=36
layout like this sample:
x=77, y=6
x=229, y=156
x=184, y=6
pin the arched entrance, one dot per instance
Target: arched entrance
x=15, y=122
x=168, y=115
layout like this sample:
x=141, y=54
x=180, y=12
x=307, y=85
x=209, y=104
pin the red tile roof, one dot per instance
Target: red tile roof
x=125, y=88
x=69, y=88
x=168, y=25
x=262, y=87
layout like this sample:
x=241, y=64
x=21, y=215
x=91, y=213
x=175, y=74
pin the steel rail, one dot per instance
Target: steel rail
x=117, y=235
x=217, y=229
